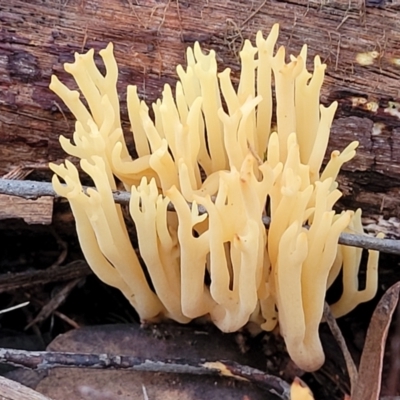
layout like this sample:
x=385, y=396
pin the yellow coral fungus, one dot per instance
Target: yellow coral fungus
x=202, y=152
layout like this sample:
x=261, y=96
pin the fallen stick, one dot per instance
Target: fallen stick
x=44, y=360
x=34, y=190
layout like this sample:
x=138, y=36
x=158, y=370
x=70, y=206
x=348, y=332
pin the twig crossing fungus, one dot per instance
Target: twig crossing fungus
x=202, y=149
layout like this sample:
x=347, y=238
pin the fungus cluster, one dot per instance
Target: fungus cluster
x=211, y=147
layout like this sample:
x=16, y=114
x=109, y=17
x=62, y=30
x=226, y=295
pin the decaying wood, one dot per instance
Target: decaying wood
x=39, y=211
x=27, y=279
x=359, y=40
x=10, y=390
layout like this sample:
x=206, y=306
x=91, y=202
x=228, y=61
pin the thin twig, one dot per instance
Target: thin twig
x=337, y=334
x=145, y=396
x=54, y=303
x=34, y=190
x=253, y=14
x=44, y=360
x=67, y=319
x=6, y=310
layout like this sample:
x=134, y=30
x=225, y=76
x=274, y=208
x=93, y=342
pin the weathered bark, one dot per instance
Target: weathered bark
x=150, y=38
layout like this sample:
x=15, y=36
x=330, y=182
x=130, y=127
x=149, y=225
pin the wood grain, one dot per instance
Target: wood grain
x=10, y=390
x=38, y=211
x=150, y=38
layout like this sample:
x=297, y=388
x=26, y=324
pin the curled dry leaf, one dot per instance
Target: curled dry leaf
x=370, y=372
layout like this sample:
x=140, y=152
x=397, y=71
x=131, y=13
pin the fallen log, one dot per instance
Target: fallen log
x=359, y=41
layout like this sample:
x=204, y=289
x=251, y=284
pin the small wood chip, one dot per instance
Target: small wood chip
x=38, y=211
x=10, y=390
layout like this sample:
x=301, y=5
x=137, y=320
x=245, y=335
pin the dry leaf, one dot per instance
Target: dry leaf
x=370, y=372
